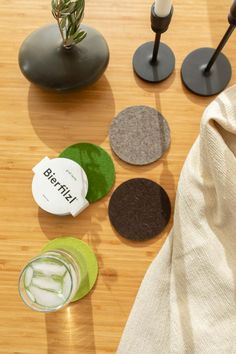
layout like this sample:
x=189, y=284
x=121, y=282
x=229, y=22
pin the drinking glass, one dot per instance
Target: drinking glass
x=50, y=281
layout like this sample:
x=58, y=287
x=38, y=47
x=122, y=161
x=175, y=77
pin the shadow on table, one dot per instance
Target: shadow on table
x=157, y=88
x=87, y=225
x=198, y=100
x=63, y=118
x=71, y=330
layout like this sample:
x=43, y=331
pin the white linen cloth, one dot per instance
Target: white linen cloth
x=187, y=299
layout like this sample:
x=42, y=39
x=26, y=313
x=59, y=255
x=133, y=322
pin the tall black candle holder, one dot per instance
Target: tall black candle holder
x=155, y=61
x=207, y=71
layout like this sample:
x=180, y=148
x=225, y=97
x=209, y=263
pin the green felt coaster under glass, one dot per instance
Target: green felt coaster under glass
x=97, y=165
x=85, y=257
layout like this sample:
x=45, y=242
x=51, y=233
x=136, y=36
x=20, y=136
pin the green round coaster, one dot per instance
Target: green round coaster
x=97, y=165
x=85, y=257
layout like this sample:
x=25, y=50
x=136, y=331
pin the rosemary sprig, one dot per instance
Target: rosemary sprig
x=69, y=15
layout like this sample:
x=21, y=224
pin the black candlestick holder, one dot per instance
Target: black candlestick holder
x=155, y=61
x=207, y=71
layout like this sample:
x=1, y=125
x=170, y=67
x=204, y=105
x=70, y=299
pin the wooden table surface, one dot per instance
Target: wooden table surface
x=35, y=123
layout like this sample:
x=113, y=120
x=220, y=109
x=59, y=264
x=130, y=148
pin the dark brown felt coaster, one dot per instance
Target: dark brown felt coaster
x=139, y=135
x=139, y=209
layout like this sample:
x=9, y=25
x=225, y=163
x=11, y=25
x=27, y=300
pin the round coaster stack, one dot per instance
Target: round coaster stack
x=139, y=135
x=139, y=209
x=97, y=165
x=60, y=186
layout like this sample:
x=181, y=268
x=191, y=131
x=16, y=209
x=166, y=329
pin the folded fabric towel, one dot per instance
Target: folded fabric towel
x=187, y=300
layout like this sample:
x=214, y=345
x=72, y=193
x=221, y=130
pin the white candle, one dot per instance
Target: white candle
x=162, y=7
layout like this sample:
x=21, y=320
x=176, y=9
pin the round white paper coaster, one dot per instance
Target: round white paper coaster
x=60, y=186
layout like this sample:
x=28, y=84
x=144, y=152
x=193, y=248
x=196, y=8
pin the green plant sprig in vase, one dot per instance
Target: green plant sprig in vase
x=69, y=15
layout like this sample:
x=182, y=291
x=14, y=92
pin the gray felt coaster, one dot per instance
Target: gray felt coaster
x=139, y=209
x=139, y=135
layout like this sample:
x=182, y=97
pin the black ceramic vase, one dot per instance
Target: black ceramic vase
x=44, y=60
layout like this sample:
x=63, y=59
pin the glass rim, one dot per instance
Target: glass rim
x=42, y=255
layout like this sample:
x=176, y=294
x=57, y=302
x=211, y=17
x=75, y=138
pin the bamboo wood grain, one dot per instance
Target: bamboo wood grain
x=36, y=123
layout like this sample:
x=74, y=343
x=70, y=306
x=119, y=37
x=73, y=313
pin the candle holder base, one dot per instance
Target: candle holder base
x=153, y=71
x=201, y=83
